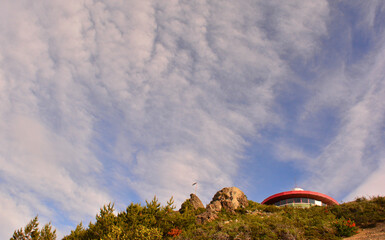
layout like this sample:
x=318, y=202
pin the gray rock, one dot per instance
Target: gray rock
x=193, y=203
x=229, y=198
x=215, y=206
x=207, y=216
x=196, y=202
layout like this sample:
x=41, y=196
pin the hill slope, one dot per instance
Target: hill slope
x=375, y=233
x=256, y=221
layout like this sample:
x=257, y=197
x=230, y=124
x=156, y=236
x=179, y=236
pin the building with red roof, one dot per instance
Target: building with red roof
x=299, y=198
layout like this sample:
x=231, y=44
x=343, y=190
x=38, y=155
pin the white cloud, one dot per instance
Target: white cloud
x=286, y=152
x=341, y=110
x=14, y=213
x=216, y=85
x=296, y=26
x=349, y=160
x=371, y=186
x=39, y=167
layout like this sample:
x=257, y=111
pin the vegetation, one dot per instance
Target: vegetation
x=32, y=231
x=257, y=221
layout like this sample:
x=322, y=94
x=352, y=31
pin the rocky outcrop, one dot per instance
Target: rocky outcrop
x=229, y=198
x=207, y=216
x=193, y=203
x=196, y=202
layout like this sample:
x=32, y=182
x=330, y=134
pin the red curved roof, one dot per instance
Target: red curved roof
x=299, y=194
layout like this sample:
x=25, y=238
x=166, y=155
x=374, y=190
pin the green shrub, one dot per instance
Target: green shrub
x=32, y=232
x=345, y=228
x=143, y=233
x=365, y=212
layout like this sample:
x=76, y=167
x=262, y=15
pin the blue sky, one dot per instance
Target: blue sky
x=118, y=101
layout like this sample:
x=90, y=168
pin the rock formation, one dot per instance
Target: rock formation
x=229, y=198
x=193, y=203
x=206, y=216
x=196, y=202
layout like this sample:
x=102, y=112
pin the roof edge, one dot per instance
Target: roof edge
x=292, y=194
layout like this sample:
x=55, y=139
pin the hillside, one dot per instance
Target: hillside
x=375, y=233
x=234, y=220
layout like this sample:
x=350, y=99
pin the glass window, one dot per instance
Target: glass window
x=297, y=200
x=324, y=204
x=290, y=200
x=311, y=201
x=282, y=202
x=304, y=200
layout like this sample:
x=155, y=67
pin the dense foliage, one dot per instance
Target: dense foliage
x=32, y=232
x=257, y=221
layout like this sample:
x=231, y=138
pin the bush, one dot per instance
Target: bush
x=31, y=232
x=345, y=228
x=364, y=212
x=174, y=232
x=143, y=233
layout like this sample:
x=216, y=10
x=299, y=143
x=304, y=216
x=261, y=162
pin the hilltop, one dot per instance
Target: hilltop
x=230, y=215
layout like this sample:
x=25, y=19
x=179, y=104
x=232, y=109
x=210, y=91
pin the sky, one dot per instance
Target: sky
x=118, y=101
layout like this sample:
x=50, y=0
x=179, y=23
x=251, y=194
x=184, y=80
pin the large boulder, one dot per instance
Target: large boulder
x=229, y=198
x=195, y=201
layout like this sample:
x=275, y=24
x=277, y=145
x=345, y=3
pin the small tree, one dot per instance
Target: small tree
x=105, y=221
x=77, y=234
x=31, y=232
